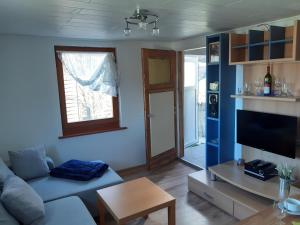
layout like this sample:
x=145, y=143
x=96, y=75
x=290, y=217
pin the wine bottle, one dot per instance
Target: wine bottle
x=268, y=83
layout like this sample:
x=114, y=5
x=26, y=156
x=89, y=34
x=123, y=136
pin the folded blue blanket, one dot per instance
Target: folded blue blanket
x=79, y=170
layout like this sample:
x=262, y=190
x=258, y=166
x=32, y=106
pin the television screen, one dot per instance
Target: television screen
x=269, y=132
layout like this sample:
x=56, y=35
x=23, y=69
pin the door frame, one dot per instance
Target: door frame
x=170, y=154
x=187, y=58
x=180, y=83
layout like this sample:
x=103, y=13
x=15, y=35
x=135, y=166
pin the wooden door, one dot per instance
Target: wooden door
x=159, y=75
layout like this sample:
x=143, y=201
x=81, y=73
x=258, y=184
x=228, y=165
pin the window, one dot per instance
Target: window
x=87, y=81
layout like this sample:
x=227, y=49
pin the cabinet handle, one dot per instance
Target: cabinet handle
x=208, y=196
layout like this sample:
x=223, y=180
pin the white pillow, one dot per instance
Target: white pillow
x=22, y=201
x=29, y=163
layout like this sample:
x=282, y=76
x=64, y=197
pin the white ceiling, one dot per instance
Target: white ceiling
x=103, y=19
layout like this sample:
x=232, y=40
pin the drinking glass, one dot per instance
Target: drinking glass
x=247, y=89
x=277, y=87
x=284, y=91
x=258, y=87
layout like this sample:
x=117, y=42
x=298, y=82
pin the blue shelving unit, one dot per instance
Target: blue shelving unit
x=220, y=129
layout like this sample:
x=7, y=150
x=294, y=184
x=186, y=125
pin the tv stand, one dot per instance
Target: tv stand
x=236, y=193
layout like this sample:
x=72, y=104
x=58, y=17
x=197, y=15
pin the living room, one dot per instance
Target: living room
x=143, y=136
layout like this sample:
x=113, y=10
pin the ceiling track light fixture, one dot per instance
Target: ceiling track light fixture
x=142, y=18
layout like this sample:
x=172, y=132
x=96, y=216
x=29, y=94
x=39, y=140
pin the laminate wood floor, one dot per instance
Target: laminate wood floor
x=190, y=209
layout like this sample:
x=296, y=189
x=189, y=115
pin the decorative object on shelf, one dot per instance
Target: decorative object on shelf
x=214, y=86
x=285, y=173
x=268, y=83
x=214, y=52
x=240, y=162
x=213, y=105
x=142, y=18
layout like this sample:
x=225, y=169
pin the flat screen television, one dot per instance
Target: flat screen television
x=268, y=132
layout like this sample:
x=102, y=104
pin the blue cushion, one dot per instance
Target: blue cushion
x=66, y=211
x=21, y=200
x=6, y=218
x=51, y=188
x=4, y=173
x=79, y=170
x=29, y=163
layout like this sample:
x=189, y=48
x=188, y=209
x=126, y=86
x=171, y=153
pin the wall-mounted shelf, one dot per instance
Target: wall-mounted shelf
x=265, y=61
x=212, y=118
x=213, y=64
x=278, y=44
x=213, y=144
x=213, y=91
x=268, y=98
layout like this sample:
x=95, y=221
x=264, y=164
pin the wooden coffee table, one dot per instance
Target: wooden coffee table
x=133, y=199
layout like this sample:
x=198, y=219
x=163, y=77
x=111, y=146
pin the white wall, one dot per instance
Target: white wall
x=29, y=102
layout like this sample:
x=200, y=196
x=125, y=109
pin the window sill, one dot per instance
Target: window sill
x=92, y=132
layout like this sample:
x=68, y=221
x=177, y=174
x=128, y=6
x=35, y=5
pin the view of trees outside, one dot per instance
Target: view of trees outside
x=84, y=104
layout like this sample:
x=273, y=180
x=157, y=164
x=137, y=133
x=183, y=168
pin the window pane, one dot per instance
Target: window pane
x=159, y=71
x=190, y=71
x=83, y=104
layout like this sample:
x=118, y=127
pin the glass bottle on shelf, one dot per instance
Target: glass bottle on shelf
x=268, y=83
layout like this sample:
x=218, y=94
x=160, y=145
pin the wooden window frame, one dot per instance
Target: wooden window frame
x=83, y=127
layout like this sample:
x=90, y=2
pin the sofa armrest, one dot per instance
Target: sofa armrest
x=50, y=162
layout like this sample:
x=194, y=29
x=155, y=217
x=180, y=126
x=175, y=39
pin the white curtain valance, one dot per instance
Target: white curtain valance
x=96, y=70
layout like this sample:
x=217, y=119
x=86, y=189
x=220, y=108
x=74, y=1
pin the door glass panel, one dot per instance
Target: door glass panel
x=159, y=71
x=190, y=70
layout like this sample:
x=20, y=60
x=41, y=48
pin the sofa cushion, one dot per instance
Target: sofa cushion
x=4, y=173
x=66, y=211
x=21, y=200
x=6, y=218
x=51, y=188
x=29, y=163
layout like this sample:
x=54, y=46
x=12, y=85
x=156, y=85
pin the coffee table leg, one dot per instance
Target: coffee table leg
x=101, y=212
x=171, y=214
